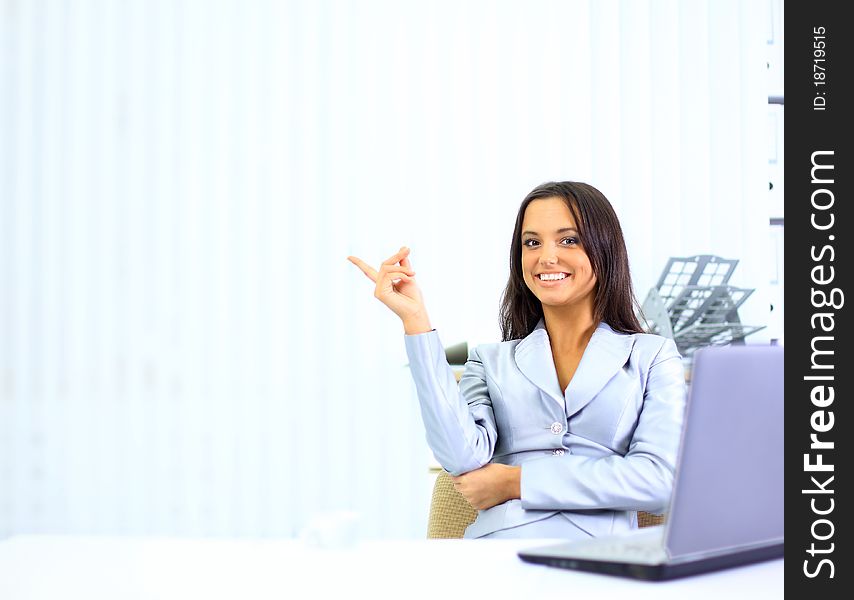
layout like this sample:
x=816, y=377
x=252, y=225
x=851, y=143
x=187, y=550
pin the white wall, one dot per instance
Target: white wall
x=183, y=347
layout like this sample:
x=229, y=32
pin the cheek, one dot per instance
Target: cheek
x=587, y=268
x=529, y=281
x=594, y=284
x=527, y=266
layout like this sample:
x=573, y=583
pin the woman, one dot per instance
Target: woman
x=572, y=423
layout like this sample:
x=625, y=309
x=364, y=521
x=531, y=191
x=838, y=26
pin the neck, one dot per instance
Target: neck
x=569, y=328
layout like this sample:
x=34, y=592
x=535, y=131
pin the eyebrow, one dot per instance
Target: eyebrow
x=559, y=231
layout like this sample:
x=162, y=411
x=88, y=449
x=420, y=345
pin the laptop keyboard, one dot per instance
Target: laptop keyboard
x=643, y=548
x=644, y=553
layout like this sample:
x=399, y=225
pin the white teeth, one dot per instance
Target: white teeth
x=551, y=276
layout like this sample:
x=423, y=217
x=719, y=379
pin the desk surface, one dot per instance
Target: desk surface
x=129, y=568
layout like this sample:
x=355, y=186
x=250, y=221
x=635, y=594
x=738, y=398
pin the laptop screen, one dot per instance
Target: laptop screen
x=728, y=491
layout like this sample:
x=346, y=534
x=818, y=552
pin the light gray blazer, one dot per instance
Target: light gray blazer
x=595, y=454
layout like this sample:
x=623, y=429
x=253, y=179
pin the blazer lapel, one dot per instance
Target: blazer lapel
x=534, y=358
x=606, y=353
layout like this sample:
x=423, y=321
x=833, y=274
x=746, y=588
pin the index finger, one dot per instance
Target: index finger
x=369, y=271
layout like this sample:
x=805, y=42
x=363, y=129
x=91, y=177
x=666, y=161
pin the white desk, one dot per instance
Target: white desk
x=127, y=568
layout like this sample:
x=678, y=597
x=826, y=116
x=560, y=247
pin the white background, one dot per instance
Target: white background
x=184, y=349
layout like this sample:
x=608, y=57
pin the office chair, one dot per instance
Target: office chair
x=450, y=512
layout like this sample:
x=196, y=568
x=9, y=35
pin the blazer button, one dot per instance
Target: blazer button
x=557, y=428
x=557, y=452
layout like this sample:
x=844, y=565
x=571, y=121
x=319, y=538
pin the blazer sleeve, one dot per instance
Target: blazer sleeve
x=460, y=424
x=640, y=480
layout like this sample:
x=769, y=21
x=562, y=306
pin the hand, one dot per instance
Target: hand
x=397, y=289
x=490, y=485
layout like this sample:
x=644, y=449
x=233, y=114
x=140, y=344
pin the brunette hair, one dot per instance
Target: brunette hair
x=602, y=239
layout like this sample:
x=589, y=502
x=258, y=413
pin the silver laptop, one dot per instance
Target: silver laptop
x=727, y=502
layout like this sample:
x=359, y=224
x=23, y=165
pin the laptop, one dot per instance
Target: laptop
x=727, y=503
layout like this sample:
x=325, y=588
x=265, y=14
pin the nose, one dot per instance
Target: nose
x=549, y=256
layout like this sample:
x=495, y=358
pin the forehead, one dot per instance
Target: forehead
x=547, y=214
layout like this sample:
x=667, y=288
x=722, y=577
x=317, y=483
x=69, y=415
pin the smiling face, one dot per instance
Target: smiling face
x=555, y=266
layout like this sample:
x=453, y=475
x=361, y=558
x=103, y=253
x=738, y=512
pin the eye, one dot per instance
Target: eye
x=530, y=243
x=569, y=241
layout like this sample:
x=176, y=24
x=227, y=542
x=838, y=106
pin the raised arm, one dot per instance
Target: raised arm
x=459, y=419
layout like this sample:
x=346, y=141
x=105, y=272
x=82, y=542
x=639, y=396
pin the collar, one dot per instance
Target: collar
x=606, y=353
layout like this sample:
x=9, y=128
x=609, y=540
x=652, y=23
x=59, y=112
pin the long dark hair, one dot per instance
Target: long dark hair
x=602, y=239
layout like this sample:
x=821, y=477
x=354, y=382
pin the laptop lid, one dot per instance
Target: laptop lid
x=728, y=492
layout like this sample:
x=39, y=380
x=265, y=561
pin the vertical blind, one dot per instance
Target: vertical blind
x=184, y=349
